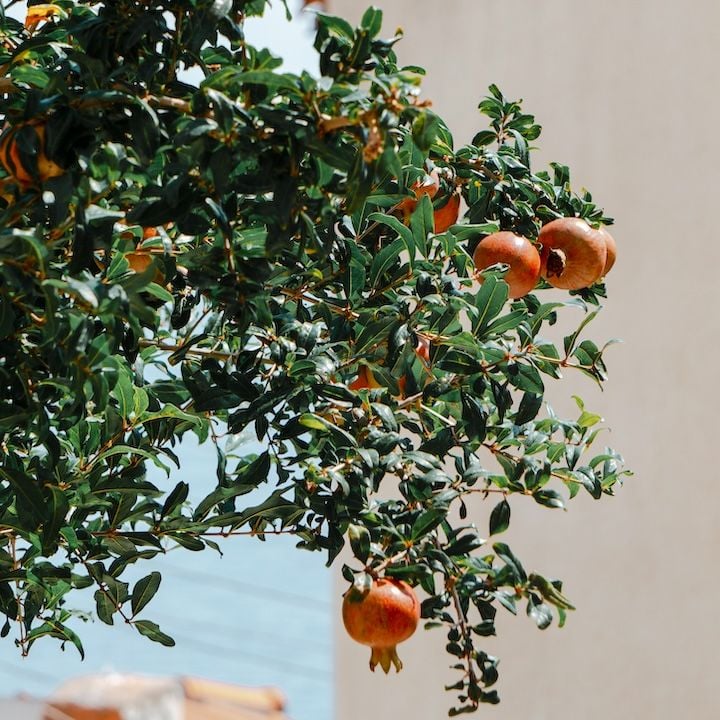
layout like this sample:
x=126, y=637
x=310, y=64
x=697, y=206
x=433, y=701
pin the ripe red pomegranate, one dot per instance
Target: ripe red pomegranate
x=447, y=215
x=611, y=250
x=381, y=618
x=428, y=185
x=573, y=255
x=513, y=250
x=422, y=349
x=365, y=380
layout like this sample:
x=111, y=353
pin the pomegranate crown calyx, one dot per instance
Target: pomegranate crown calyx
x=556, y=262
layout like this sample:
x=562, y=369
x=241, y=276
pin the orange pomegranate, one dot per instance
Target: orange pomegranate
x=364, y=381
x=513, y=250
x=386, y=615
x=40, y=13
x=428, y=185
x=11, y=160
x=573, y=255
x=611, y=250
x=447, y=215
x=422, y=349
x=140, y=261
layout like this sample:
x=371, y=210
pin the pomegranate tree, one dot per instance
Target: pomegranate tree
x=309, y=260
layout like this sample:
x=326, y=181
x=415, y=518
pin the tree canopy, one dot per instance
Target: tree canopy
x=250, y=252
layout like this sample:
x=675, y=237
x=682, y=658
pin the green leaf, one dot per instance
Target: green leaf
x=539, y=612
x=57, y=512
x=58, y=630
x=591, y=483
x=372, y=21
x=399, y=228
x=124, y=393
x=529, y=407
x=489, y=301
x=247, y=479
x=144, y=591
x=500, y=517
x=505, y=323
x=549, y=498
x=527, y=378
x=474, y=417
x=126, y=450
x=505, y=554
x=422, y=224
x=384, y=260
x=175, y=499
x=359, y=542
x=105, y=607
x=426, y=522
x=468, y=232
x=152, y=631
x=570, y=340
x=28, y=493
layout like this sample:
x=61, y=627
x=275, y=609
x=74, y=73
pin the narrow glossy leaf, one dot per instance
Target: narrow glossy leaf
x=126, y=450
x=57, y=512
x=124, y=394
x=177, y=497
x=527, y=378
x=426, y=522
x=466, y=232
x=105, y=607
x=152, y=631
x=539, y=612
x=529, y=407
x=549, y=498
x=474, y=416
x=398, y=227
x=144, y=591
x=384, y=260
x=27, y=492
x=570, y=340
x=591, y=483
x=505, y=323
x=422, y=224
x=500, y=517
x=359, y=542
x=489, y=302
x=506, y=554
x=58, y=630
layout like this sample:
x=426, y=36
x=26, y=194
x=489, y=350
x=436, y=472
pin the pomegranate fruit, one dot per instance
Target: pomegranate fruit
x=513, y=250
x=447, y=215
x=429, y=185
x=422, y=349
x=381, y=618
x=611, y=249
x=12, y=161
x=364, y=381
x=140, y=261
x=573, y=255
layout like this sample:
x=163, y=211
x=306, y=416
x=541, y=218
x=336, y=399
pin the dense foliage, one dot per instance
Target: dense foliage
x=222, y=257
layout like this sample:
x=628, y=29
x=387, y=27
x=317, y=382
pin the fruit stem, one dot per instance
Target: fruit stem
x=556, y=262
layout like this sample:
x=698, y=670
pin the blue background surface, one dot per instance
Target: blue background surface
x=259, y=615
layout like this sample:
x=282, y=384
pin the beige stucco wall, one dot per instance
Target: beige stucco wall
x=627, y=91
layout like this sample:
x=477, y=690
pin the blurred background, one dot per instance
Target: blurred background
x=626, y=93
